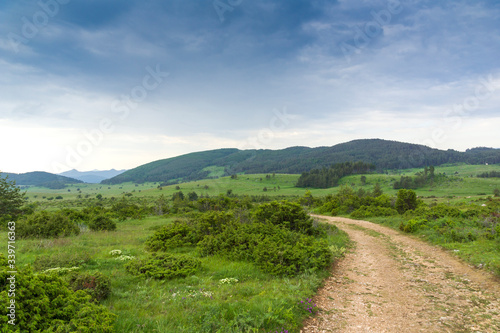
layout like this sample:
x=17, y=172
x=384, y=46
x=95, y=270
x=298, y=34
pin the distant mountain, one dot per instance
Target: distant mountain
x=384, y=154
x=43, y=179
x=94, y=177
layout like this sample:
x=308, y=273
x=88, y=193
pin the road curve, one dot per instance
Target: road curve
x=392, y=282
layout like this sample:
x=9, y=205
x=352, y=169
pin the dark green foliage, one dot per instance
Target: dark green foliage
x=412, y=225
x=63, y=259
x=164, y=266
x=347, y=201
x=377, y=190
x=173, y=235
x=44, y=179
x=384, y=154
x=102, y=223
x=324, y=178
x=45, y=303
x=11, y=199
x=406, y=200
x=46, y=225
x=373, y=211
x=192, y=196
x=272, y=248
x=96, y=284
x=491, y=174
x=285, y=214
x=127, y=209
x=188, y=233
x=496, y=192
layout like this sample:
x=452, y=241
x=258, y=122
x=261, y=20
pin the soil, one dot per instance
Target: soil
x=393, y=282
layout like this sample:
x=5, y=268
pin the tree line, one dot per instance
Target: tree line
x=329, y=177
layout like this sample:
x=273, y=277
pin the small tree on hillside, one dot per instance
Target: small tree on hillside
x=11, y=199
x=406, y=200
x=377, y=190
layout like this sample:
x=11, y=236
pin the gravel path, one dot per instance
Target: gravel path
x=392, y=282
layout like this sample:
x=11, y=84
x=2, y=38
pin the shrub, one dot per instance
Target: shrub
x=164, y=266
x=102, y=223
x=406, y=200
x=46, y=225
x=373, y=211
x=274, y=249
x=412, y=225
x=96, y=284
x=286, y=214
x=173, y=235
x=45, y=303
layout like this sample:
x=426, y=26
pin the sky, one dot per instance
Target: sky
x=101, y=84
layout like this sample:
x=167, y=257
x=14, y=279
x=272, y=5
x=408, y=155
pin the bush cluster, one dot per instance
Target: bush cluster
x=280, y=238
x=46, y=225
x=275, y=250
x=45, y=303
x=101, y=223
x=164, y=266
x=96, y=284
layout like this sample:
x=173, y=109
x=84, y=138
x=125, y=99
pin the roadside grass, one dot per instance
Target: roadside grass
x=482, y=253
x=257, y=302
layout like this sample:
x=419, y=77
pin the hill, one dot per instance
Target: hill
x=43, y=179
x=384, y=154
x=94, y=177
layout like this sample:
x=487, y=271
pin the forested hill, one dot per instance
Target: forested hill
x=382, y=153
x=39, y=178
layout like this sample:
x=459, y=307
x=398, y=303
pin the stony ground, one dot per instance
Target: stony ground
x=392, y=282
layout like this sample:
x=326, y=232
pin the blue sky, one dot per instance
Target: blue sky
x=100, y=84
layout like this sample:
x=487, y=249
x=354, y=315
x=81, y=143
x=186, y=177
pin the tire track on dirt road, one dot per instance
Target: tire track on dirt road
x=391, y=282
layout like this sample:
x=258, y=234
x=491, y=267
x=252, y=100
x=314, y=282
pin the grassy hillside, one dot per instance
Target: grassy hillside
x=386, y=155
x=461, y=183
x=39, y=178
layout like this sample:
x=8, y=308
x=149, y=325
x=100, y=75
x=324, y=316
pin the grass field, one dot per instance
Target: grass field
x=460, y=185
x=194, y=304
x=200, y=303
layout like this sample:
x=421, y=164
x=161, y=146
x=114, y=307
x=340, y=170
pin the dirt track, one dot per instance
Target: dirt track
x=391, y=282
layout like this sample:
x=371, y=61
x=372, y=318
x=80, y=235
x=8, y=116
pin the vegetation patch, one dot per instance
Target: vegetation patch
x=45, y=303
x=164, y=266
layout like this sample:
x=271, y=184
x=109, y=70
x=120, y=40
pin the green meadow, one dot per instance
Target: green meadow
x=224, y=294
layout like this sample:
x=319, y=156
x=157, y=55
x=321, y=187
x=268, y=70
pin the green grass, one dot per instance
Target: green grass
x=460, y=185
x=198, y=303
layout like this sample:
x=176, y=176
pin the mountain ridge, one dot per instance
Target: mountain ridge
x=385, y=154
x=94, y=176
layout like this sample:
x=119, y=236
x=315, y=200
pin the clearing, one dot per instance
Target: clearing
x=392, y=282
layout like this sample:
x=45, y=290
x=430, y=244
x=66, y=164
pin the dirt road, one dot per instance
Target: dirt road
x=392, y=282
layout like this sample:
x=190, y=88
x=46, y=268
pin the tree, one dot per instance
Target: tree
x=406, y=200
x=377, y=190
x=11, y=199
x=363, y=180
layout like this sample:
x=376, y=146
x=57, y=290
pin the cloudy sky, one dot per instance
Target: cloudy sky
x=100, y=84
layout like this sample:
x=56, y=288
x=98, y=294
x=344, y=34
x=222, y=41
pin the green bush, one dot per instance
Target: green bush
x=406, y=200
x=45, y=303
x=102, y=223
x=164, y=266
x=189, y=233
x=286, y=214
x=373, y=211
x=46, y=225
x=173, y=235
x=272, y=248
x=96, y=284
x=412, y=225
